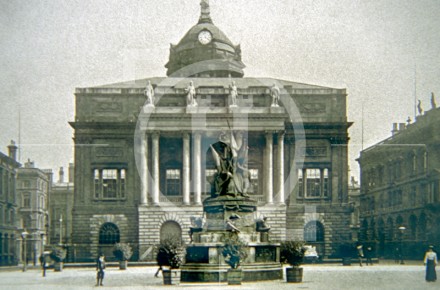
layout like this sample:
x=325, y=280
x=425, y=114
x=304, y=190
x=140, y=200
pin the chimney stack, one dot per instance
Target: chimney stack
x=71, y=172
x=402, y=126
x=61, y=175
x=395, y=130
x=13, y=150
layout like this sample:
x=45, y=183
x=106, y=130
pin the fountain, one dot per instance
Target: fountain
x=230, y=211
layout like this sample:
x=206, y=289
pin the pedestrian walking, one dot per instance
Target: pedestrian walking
x=430, y=261
x=43, y=264
x=162, y=260
x=100, y=267
x=369, y=256
x=396, y=255
x=360, y=254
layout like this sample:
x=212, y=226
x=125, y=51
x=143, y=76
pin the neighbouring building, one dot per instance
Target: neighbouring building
x=400, y=201
x=60, y=210
x=142, y=161
x=33, y=187
x=9, y=230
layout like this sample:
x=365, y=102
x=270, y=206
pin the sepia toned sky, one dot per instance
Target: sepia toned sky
x=384, y=52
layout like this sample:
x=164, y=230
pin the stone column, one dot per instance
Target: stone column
x=155, y=165
x=280, y=169
x=144, y=169
x=185, y=175
x=268, y=173
x=197, y=177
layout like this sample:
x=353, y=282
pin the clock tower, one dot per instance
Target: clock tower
x=205, y=51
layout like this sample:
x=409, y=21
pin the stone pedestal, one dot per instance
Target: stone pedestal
x=227, y=216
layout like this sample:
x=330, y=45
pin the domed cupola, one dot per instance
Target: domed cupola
x=205, y=51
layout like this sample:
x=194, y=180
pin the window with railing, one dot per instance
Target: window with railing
x=313, y=182
x=109, y=184
x=172, y=181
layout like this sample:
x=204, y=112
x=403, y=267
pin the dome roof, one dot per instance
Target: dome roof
x=207, y=53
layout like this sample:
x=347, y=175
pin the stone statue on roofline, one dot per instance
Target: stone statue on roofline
x=191, y=95
x=149, y=93
x=275, y=94
x=234, y=94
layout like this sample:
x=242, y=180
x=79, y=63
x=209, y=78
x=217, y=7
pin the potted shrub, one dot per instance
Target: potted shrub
x=58, y=254
x=346, y=252
x=234, y=252
x=170, y=253
x=122, y=252
x=292, y=253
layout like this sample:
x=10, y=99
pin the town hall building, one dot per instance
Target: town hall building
x=143, y=162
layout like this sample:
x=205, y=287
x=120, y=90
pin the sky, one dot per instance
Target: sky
x=384, y=52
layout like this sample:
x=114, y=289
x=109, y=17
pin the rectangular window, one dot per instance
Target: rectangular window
x=209, y=179
x=300, y=183
x=313, y=183
x=26, y=201
x=109, y=184
x=97, y=183
x=253, y=176
x=173, y=182
x=325, y=183
x=122, y=183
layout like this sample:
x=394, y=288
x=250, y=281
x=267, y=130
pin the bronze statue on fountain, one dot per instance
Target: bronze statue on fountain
x=230, y=212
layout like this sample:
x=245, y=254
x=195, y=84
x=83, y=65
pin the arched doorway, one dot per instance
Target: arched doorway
x=314, y=235
x=170, y=230
x=108, y=236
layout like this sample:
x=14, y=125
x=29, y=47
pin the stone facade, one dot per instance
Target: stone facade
x=60, y=211
x=9, y=215
x=148, y=163
x=400, y=189
x=33, y=187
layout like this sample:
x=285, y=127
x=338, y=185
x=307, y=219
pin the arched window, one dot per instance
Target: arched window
x=170, y=230
x=108, y=234
x=314, y=232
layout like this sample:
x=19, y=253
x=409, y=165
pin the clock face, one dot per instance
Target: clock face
x=205, y=37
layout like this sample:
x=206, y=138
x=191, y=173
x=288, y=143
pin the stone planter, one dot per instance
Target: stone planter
x=58, y=266
x=171, y=277
x=234, y=276
x=123, y=265
x=294, y=274
x=346, y=261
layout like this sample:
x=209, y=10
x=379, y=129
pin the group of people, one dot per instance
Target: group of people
x=368, y=255
x=430, y=261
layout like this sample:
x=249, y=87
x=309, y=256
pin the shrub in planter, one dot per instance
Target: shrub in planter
x=122, y=252
x=170, y=253
x=292, y=253
x=234, y=252
x=58, y=254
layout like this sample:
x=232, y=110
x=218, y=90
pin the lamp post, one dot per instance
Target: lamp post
x=402, y=230
x=23, y=236
x=61, y=229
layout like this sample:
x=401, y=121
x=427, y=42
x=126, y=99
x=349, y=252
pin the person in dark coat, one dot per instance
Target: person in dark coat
x=162, y=260
x=430, y=261
x=100, y=266
x=43, y=264
x=369, y=256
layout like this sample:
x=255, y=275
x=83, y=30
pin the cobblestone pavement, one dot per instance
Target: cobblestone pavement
x=382, y=276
